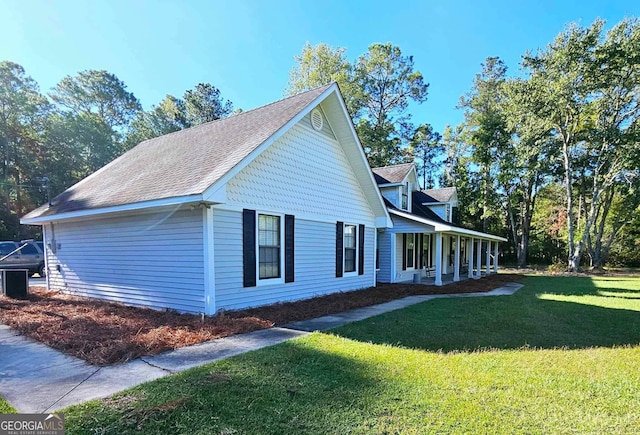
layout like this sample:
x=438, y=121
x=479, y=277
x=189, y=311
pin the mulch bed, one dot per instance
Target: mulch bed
x=104, y=333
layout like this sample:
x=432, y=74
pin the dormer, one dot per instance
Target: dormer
x=440, y=201
x=397, y=184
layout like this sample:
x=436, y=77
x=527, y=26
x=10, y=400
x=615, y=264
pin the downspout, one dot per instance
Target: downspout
x=47, y=248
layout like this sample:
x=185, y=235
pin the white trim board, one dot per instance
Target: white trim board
x=442, y=228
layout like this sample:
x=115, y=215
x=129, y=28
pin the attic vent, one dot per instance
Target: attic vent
x=316, y=119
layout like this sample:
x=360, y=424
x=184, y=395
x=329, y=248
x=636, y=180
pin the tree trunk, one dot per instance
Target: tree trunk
x=514, y=231
x=598, y=256
x=573, y=259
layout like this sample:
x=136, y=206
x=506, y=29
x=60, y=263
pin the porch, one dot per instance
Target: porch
x=435, y=257
x=445, y=279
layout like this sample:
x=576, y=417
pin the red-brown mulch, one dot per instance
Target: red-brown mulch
x=106, y=333
x=287, y=312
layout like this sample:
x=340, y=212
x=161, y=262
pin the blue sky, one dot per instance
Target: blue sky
x=246, y=48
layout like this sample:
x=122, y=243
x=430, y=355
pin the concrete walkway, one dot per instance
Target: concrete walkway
x=35, y=378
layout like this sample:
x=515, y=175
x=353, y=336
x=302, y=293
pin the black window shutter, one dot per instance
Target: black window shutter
x=361, y=249
x=339, y=246
x=289, y=235
x=249, y=247
x=404, y=251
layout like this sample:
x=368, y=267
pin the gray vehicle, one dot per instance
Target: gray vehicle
x=23, y=255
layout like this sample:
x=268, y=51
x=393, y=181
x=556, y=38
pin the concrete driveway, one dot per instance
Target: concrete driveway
x=37, y=281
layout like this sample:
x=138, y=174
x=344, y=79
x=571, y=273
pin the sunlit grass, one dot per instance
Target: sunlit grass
x=635, y=295
x=615, y=293
x=611, y=300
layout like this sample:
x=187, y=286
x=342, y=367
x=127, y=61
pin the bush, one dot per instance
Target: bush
x=557, y=267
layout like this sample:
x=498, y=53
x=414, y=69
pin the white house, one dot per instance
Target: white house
x=273, y=204
x=423, y=240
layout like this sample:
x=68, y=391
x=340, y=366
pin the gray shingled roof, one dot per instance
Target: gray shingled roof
x=438, y=195
x=391, y=174
x=179, y=164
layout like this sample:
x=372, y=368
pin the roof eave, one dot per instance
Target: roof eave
x=440, y=227
x=384, y=216
x=174, y=201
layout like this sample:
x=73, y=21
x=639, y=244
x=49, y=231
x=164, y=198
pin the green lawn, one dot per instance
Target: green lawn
x=560, y=356
x=5, y=408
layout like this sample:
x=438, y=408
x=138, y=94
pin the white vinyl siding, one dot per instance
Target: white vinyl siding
x=326, y=129
x=303, y=173
x=150, y=259
x=440, y=210
x=391, y=194
x=402, y=225
x=384, y=247
x=315, y=264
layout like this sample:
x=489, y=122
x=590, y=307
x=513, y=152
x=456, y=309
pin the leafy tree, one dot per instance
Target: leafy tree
x=456, y=152
x=23, y=118
x=97, y=93
x=489, y=135
x=626, y=252
x=427, y=147
x=617, y=219
x=204, y=104
x=77, y=146
x=524, y=165
x=168, y=116
x=377, y=90
x=201, y=104
x=588, y=92
x=549, y=226
x=456, y=173
x=320, y=65
x=389, y=82
x=97, y=108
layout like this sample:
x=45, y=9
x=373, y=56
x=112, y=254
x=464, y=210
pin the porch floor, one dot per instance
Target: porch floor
x=446, y=279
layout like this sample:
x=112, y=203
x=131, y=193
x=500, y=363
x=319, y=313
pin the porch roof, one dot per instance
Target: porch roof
x=441, y=226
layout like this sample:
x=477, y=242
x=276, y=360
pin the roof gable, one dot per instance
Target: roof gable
x=392, y=174
x=191, y=165
x=179, y=164
x=445, y=194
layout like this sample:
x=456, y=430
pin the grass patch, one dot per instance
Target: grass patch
x=5, y=408
x=549, y=312
x=489, y=380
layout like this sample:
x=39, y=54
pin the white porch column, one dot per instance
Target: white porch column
x=438, y=258
x=495, y=258
x=470, y=257
x=488, y=258
x=479, y=259
x=456, y=263
x=445, y=253
x=393, y=256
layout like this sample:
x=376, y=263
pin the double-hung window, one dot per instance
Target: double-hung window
x=405, y=196
x=349, y=249
x=350, y=237
x=410, y=250
x=269, y=249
